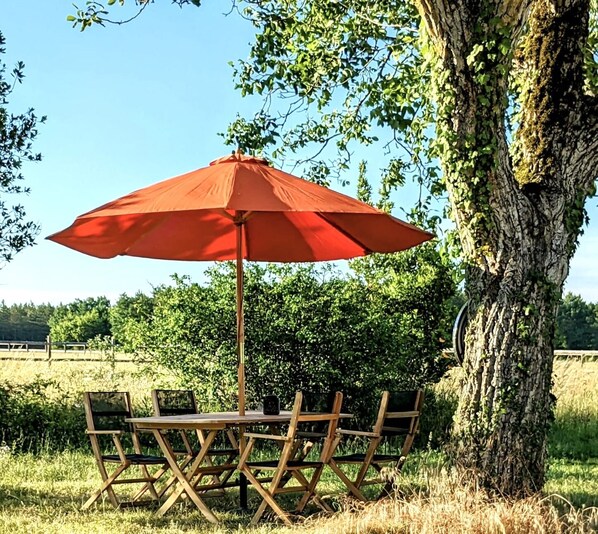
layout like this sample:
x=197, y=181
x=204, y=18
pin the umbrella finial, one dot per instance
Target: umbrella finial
x=238, y=152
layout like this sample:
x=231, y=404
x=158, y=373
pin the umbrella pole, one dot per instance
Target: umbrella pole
x=241, y=357
x=240, y=320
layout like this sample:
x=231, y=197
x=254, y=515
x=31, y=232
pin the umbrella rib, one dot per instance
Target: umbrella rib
x=345, y=233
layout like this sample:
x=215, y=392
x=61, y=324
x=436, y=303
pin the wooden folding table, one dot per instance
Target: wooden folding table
x=210, y=424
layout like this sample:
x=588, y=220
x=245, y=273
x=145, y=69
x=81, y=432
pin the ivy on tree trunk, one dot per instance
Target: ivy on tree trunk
x=518, y=208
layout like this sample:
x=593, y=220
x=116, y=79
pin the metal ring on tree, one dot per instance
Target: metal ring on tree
x=459, y=329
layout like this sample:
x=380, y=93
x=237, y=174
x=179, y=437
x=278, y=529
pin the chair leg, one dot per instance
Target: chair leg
x=150, y=484
x=106, y=486
x=105, y=476
x=172, y=479
x=387, y=491
x=260, y=510
x=389, y=488
x=310, y=491
x=226, y=474
x=268, y=497
x=184, y=483
x=353, y=489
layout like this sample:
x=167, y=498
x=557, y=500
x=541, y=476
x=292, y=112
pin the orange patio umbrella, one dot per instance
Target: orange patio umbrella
x=238, y=208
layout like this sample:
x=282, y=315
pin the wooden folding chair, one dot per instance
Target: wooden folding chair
x=182, y=402
x=105, y=413
x=288, y=464
x=398, y=415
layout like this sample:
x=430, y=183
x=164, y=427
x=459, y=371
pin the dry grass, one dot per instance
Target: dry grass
x=451, y=505
x=43, y=494
x=576, y=387
x=77, y=377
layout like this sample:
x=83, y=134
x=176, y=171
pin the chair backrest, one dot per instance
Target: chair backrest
x=326, y=418
x=399, y=413
x=174, y=402
x=107, y=410
x=317, y=402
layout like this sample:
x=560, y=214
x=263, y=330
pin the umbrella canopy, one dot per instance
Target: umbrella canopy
x=238, y=208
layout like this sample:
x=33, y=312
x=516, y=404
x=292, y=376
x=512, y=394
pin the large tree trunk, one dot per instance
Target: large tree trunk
x=506, y=406
x=518, y=211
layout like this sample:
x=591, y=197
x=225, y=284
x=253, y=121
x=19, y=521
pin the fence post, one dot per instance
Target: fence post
x=49, y=349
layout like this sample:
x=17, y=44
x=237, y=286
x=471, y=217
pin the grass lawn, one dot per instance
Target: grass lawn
x=44, y=492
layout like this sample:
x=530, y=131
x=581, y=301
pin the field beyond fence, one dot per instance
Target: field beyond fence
x=81, y=351
x=48, y=351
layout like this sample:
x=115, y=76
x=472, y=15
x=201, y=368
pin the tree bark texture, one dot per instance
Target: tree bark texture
x=518, y=204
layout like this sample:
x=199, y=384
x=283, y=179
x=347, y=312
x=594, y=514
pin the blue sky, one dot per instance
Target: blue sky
x=129, y=106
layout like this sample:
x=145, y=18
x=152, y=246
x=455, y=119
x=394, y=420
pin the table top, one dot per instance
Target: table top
x=216, y=419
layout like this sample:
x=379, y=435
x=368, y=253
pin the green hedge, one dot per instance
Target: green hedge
x=39, y=415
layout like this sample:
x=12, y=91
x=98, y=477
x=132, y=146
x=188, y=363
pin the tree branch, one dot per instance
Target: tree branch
x=515, y=14
x=446, y=23
x=452, y=23
x=552, y=99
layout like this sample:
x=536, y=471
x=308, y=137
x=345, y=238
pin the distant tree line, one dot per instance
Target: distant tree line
x=25, y=322
x=577, y=324
x=86, y=319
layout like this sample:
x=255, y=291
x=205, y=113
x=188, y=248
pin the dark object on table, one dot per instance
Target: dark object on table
x=271, y=405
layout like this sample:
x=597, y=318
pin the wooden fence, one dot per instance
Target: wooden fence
x=77, y=351
x=67, y=351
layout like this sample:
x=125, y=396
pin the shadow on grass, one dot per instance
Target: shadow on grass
x=574, y=436
x=184, y=516
x=575, y=481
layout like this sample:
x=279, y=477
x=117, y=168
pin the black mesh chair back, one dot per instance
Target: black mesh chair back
x=169, y=402
x=107, y=410
x=174, y=402
x=402, y=412
x=316, y=402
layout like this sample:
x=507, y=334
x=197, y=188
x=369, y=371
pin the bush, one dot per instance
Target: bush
x=310, y=328
x=40, y=415
x=436, y=421
x=81, y=320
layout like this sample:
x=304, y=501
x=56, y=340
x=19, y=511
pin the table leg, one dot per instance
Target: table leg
x=242, y=478
x=183, y=481
x=243, y=491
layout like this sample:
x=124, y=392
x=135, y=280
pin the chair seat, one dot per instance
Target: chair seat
x=292, y=464
x=211, y=452
x=222, y=452
x=359, y=458
x=136, y=459
x=311, y=435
